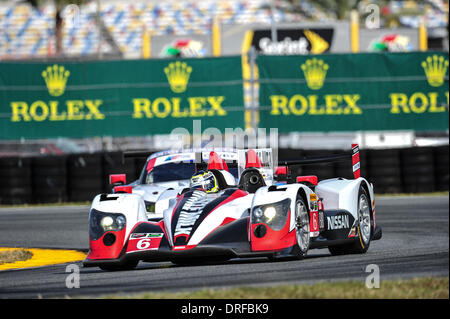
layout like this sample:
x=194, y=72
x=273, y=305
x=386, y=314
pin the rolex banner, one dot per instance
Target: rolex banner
x=348, y=92
x=119, y=98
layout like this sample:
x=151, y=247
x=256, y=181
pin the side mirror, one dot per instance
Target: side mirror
x=117, y=179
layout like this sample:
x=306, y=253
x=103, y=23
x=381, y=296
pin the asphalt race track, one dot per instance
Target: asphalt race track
x=415, y=243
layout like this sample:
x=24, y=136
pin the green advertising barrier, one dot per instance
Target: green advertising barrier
x=348, y=92
x=119, y=98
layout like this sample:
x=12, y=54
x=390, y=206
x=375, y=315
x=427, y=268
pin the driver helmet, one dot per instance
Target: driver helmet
x=205, y=180
x=212, y=181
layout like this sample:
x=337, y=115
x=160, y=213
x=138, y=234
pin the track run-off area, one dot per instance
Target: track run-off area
x=415, y=243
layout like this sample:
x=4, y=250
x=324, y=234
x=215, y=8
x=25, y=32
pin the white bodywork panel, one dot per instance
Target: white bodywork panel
x=339, y=193
x=263, y=197
x=130, y=205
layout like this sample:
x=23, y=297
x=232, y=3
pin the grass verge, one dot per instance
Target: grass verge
x=11, y=256
x=417, y=288
x=444, y=193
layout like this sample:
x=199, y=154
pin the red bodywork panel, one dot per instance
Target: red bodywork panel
x=117, y=178
x=273, y=240
x=252, y=160
x=98, y=250
x=123, y=189
x=314, y=221
x=355, y=161
x=281, y=170
x=311, y=179
x=215, y=162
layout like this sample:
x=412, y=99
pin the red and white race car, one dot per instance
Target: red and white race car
x=218, y=217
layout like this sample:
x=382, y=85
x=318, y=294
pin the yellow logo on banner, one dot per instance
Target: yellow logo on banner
x=178, y=76
x=315, y=71
x=435, y=68
x=318, y=45
x=55, y=78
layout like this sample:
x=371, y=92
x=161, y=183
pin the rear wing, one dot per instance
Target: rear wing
x=345, y=156
x=266, y=157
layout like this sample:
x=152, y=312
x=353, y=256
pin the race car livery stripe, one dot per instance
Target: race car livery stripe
x=190, y=213
x=150, y=165
x=355, y=161
x=236, y=194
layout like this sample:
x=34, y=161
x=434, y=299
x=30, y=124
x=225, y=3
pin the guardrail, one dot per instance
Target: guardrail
x=79, y=177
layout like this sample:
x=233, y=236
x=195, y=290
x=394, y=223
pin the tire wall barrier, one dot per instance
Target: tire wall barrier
x=15, y=181
x=405, y=170
x=79, y=177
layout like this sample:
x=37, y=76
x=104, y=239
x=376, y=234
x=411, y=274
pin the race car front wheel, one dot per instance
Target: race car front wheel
x=364, y=228
x=301, y=229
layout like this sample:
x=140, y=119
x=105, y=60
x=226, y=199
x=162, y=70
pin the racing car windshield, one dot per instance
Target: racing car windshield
x=170, y=172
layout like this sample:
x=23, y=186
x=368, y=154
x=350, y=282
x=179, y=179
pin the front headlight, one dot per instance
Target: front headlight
x=120, y=221
x=273, y=215
x=107, y=223
x=100, y=223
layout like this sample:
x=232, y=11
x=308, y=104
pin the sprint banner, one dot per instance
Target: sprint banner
x=293, y=41
x=119, y=98
x=351, y=92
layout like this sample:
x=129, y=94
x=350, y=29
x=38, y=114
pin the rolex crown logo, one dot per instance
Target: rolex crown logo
x=178, y=76
x=315, y=72
x=55, y=78
x=435, y=68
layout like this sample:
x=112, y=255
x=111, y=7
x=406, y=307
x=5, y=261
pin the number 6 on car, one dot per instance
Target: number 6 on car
x=143, y=244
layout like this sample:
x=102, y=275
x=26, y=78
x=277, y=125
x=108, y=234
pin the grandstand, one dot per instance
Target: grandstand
x=27, y=32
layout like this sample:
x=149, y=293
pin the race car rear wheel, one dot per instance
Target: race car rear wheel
x=364, y=228
x=301, y=229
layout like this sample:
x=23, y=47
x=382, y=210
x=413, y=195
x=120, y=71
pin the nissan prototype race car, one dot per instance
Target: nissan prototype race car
x=218, y=217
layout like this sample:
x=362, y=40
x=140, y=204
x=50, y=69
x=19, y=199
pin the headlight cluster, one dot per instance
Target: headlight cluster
x=273, y=215
x=100, y=223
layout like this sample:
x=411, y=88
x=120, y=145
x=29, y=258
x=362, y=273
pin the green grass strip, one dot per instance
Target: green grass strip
x=417, y=288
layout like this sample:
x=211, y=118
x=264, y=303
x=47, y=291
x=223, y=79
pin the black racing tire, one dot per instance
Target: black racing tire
x=130, y=265
x=362, y=241
x=302, y=229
